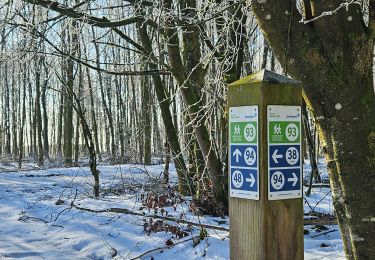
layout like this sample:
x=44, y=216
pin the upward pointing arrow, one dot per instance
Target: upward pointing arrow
x=294, y=179
x=237, y=154
x=276, y=156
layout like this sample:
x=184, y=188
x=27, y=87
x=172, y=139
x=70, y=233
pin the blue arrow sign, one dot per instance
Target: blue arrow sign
x=243, y=156
x=244, y=179
x=284, y=156
x=285, y=179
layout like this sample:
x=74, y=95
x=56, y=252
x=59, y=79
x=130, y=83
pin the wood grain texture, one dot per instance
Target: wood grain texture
x=265, y=230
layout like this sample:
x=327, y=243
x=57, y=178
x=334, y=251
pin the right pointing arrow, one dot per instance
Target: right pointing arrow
x=294, y=179
x=237, y=154
x=251, y=180
x=276, y=156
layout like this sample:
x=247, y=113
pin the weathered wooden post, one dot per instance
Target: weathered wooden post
x=265, y=168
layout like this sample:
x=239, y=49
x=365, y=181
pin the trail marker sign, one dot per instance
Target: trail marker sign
x=244, y=156
x=265, y=145
x=284, y=152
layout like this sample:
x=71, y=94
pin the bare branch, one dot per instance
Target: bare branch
x=89, y=19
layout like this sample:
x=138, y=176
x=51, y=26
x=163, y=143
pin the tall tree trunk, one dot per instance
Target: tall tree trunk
x=120, y=117
x=23, y=119
x=14, y=115
x=69, y=89
x=338, y=86
x=167, y=161
x=310, y=136
x=89, y=141
x=59, y=148
x=8, y=139
x=38, y=112
x=31, y=117
x=163, y=99
x=45, y=115
x=77, y=135
x=196, y=111
x=93, y=116
x=146, y=118
x=107, y=110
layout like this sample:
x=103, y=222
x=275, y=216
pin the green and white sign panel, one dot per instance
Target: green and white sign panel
x=243, y=152
x=284, y=152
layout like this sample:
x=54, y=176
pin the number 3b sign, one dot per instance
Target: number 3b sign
x=284, y=152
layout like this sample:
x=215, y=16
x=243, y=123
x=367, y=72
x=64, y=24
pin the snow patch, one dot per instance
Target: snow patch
x=369, y=219
x=357, y=238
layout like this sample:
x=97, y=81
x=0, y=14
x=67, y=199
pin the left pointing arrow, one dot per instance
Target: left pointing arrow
x=237, y=154
x=276, y=156
x=294, y=179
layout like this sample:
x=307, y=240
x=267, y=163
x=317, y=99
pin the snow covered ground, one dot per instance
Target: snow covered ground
x=38, y=221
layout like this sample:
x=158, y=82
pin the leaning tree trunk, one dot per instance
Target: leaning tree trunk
x=189, y=91
x=338, y=86
x=163, y=99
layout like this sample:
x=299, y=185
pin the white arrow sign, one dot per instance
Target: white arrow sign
x=251, y=180
x=276, y=156
x=294, y=179
x=237, y=154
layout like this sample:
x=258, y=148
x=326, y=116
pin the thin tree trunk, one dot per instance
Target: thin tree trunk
x=106, y=108
x=310, y=144
x=93, y=116
x=147, y=115
x=188, y=91
x=163, y=100
x=45, y=115
x=69, y=89
x=38, y=112
x=167, y=161
x=23, y=120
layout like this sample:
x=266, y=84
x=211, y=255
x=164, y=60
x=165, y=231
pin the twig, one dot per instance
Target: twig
x=321, y=200
x=324, y=233
x=320, y=221
x=163, y=247
x=328, y=13
x=318, y=185
x=177, y=220
x=126, y=211
x=66, y=209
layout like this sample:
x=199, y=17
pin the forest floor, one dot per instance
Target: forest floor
x=51, y=214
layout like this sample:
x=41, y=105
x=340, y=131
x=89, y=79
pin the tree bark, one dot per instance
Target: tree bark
x=338, y=86
x=172, y=137
x=45, y=116
x=196, y=111
x=93, y=116
x=146, y=119
x=23, y=119
x=107, y=109
x=38, y=113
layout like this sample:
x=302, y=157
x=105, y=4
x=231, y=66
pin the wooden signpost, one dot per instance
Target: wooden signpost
x=265, y=168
